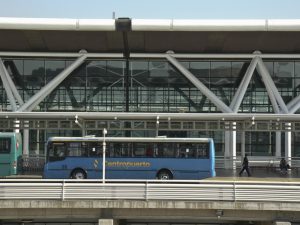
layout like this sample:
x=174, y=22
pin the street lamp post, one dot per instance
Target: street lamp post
x=103, y=155
x=157, y=126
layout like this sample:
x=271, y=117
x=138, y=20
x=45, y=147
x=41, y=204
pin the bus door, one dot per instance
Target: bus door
x=6, y=148
x=56, y=157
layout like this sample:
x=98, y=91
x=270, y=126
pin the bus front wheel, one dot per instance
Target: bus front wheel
x=164, y=175
x=78, y=174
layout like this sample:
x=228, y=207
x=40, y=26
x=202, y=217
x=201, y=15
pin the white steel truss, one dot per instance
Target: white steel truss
x=283, y=112
x=273, y=93
x=256, y=63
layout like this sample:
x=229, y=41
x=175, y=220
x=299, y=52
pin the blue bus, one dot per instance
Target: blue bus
x=10, y=151
x=130, y=158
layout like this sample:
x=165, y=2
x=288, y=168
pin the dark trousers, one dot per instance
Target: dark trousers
x=247, y=170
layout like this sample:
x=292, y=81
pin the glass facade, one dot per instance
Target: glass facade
x=99, y=85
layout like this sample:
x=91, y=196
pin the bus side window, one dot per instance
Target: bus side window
x=182, y=148
x=193, y=151
x=126, y=150
x=177, y=150
x=84, y=150
x=5, y=144
x=57, y=151
x=115, y=149
x=60, y=151
x=141, y=150
x=149, y=150
x=75, y=149
x=94, y=149
x=187, y=151
x=160, y=150
x=202, y=150
x=170, y=150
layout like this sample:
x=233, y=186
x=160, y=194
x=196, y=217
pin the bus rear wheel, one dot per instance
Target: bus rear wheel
x=78, y=174
x=164, y=175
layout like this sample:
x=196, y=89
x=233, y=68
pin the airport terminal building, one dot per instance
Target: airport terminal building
x=236, y=81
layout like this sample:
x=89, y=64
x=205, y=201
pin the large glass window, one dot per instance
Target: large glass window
x=260, y=143
x=220, y=80
x=154, y=86
x=201, y=70
x=158, y=87
x=105, y=86
x=33, y=77
x=53, y=68
x=283, y=74
x=34, y=73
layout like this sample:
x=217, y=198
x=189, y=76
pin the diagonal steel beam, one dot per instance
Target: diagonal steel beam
x=223, y=95
x=294, y=104
x=240, y=93
x=187, y=98
x=204, y=90
x=272, y=98
x=12, y=85
x=7, y=87
x=269, y=90
x=47, y=89
x=295, y=107
x=269, y=82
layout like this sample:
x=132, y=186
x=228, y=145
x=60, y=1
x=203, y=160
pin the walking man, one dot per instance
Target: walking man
x=245, y=166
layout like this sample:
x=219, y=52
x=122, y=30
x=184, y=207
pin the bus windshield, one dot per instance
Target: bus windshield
x=130, y=158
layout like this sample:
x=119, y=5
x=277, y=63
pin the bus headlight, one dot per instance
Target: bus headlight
x=14, y=164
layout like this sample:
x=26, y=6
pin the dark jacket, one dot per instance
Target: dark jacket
x=245, y=162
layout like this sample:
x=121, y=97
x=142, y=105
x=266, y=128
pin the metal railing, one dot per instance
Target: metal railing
x=147, y=121
x=205, y=190
x=31, y=164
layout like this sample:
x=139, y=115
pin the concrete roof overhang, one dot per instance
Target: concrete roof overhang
x=150, y=36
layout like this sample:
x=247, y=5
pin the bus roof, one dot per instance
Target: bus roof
x=8, y=134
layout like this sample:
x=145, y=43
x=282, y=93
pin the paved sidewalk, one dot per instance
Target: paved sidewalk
x=259, y=172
